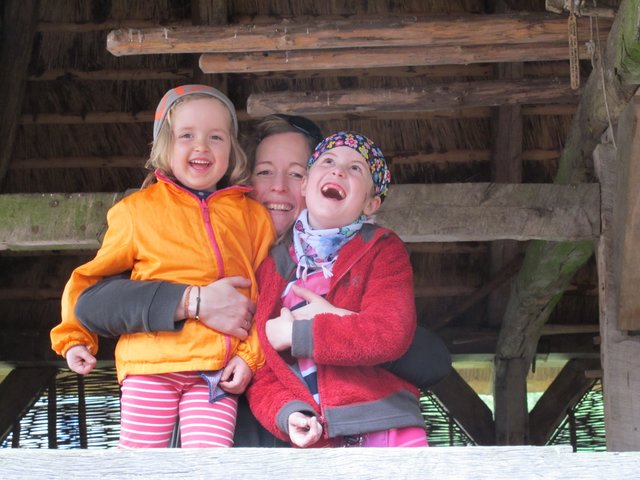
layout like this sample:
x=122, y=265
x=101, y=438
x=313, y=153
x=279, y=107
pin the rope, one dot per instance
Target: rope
x=574, y=61
x=596, y=62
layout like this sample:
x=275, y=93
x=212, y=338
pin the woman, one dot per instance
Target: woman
x=279, y=150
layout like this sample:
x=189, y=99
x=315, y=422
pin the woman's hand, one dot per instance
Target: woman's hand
x=316, y=304
x=304, y=431
x=80, y=360
x=223, y=307
x=235, y=376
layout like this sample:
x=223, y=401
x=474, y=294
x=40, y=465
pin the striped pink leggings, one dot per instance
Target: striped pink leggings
x=150, y=406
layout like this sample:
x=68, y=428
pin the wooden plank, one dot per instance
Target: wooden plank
x=18, y=392
x=562, y=395
x=414, y=99
x=355, y=31
x=385, y=57
x=620, y=351
x=418, y=213
x=19, y=19
x=53, y=221
x=464, y=404
x=485, y=211
x=482, y=463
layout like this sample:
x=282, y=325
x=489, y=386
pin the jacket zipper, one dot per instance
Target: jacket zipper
x=204, y=211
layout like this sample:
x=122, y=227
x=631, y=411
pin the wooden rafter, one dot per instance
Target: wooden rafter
x=354, y=32
x=414, y=99
x=343, y=58
x=562, y=395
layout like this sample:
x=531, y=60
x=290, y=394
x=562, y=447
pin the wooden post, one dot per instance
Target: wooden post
x=619, y=175
x=510, y=401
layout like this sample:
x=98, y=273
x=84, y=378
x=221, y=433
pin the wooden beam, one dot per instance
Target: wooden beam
x=470, y=412
x=626, y=220
x=355, y=31
x=453, y=212
x=19, y=20
x=53, y=221
x=510, y=401
x=483, y=211
x=414, y=99
x=18, y=392
x=385, y=57
x=562, y=395
x=562, y=6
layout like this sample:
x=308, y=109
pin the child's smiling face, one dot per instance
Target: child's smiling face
x=338, y=189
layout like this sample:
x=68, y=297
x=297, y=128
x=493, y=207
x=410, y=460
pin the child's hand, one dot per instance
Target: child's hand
x=316, y=304
x=280, y=330
x=304, y=431
x=224, y=308
x=80, y=359
x=235, y=376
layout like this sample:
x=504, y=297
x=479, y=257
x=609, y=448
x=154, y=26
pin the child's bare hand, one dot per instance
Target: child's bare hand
x=304, y=431
x=280, y=330
x=80, y=360
x=235, y=376
x=315, y=304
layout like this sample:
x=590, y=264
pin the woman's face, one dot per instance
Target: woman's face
x=280, y=166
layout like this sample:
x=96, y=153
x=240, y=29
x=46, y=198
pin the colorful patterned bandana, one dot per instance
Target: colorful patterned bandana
x=365, y=147
x=318, y=249
x=179, y=92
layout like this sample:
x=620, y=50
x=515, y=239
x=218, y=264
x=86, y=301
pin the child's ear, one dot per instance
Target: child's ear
x=303, y=186
x=372, y=205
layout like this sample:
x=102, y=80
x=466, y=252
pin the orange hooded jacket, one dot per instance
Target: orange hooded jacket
x=165, y=232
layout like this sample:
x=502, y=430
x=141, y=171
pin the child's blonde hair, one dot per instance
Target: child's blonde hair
x=238, y=172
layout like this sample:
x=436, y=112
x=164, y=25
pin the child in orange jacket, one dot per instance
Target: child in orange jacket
x=183, y=228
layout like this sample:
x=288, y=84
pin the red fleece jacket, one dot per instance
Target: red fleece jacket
x=372, y=276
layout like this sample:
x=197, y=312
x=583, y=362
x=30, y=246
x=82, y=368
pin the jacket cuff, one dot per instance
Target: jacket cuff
x=282, y=418
x=302, y=339
x=161, y=314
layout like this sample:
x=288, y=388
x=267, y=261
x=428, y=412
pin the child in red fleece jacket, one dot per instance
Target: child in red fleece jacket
x=322, y=384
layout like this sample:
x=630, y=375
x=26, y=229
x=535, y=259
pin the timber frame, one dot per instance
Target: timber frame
x=499, y=75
